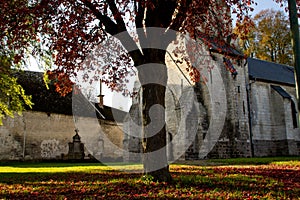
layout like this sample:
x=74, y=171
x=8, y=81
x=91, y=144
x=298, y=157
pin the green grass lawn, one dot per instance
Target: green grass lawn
x=247, y=178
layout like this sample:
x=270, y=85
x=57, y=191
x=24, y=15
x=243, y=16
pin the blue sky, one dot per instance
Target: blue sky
x=265, y=4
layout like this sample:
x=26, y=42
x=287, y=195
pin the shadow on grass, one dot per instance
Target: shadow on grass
x=217, y=182
x=257, y=185
x=61, y=185
x=42, y=164
x=22, y=178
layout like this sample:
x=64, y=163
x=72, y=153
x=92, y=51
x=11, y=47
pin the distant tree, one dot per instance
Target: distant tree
x=12, y=96
x=18, y=41
x=269, y=38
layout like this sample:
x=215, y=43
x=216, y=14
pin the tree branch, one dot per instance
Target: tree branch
x=181, y=14
x=160, y=14
x=139, y=12
x=110, y=26
x=117, y=15
x=139, y=18
x=115, y=28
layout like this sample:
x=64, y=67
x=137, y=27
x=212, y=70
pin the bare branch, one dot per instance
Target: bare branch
x=116, y=28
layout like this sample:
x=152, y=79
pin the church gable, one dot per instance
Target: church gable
x=273, y=117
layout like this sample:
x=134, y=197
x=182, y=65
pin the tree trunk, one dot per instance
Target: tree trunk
x=153, y=78
x=296, y=46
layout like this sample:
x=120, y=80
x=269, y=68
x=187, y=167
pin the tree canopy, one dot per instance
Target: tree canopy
x=12, y=95
x=71, y=28
x=269, y=38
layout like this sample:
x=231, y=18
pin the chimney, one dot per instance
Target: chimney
x=101, y=96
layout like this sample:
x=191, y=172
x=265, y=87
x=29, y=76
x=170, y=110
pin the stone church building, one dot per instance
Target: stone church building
x=240, y=108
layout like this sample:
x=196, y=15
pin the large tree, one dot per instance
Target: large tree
x=72, y=28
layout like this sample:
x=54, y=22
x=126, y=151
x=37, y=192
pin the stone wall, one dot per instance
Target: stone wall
x=38, y=135
x=272, y=124
x=233, y=140
x=210, y=117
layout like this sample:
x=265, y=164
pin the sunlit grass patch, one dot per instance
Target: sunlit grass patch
x=258, y=161
x=69, y=167
x=33, y=169
x=293, y=163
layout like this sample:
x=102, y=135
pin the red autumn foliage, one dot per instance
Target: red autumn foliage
x=61, y=80
x=72, y=28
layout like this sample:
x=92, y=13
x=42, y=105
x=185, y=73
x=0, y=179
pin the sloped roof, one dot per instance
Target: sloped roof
x=218, y=45
x=270, y=72
x=110, y=113
x=44, y=100
x=281, y=91
x=49, y=101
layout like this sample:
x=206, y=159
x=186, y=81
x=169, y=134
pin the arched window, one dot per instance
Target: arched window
x=294, y=114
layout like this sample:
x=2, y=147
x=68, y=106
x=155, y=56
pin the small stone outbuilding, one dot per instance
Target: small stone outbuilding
x=45, y=131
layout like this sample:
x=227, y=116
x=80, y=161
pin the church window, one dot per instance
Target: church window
x=294, y=114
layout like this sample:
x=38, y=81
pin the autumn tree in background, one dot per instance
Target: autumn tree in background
x=71, y=29
x=13, y=50
x=269, y=38
x=12, y=96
